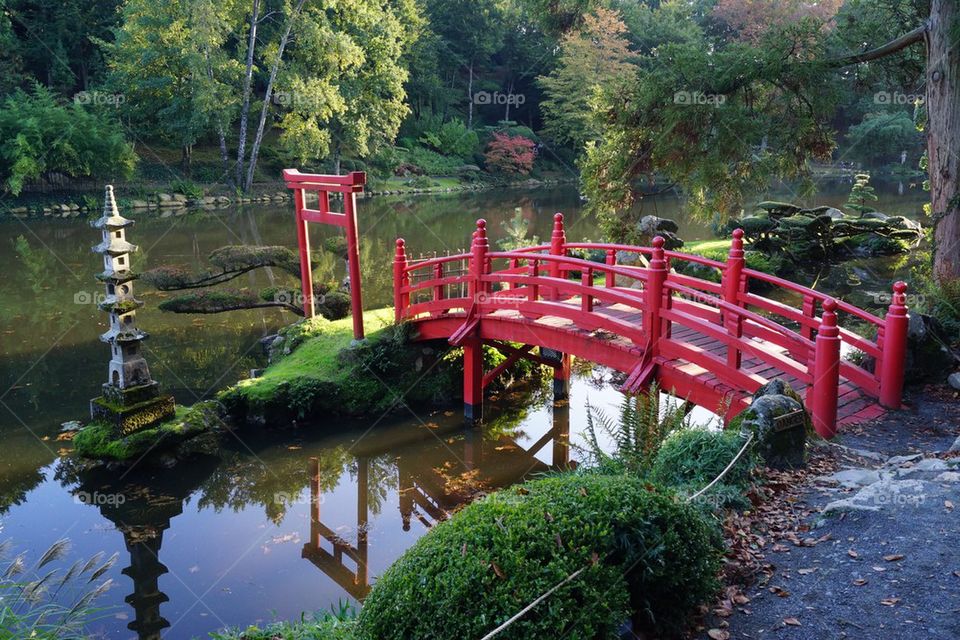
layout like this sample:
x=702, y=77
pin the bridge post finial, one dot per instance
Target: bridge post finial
x=479, y=262
x=399, y=280
x=826, y=372
x=557, y=241
x=894, y=348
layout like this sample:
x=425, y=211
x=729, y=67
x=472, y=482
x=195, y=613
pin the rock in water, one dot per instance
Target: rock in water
x=779, y=425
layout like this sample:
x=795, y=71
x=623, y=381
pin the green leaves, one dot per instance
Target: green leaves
x=44, y=135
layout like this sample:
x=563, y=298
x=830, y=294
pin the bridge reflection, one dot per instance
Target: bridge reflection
x=434, y=481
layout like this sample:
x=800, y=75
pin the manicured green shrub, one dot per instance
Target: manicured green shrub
x=644, y=550
x=697, y=456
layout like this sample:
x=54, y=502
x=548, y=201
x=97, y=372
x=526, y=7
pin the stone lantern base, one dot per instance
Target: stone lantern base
x=132, y=409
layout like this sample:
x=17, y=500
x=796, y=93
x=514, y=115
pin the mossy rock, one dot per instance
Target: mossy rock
x=779, y=448
x=97, y=440
x=778, y=209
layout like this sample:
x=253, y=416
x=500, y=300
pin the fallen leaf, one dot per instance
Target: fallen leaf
x=718, y=634
x=948, y=504
x=893, y=557
x=860, y=582
x=852, y=553
x=793, y=622
x=805, y=572
x=879, y=569
x=497, y=570
x=889, y=601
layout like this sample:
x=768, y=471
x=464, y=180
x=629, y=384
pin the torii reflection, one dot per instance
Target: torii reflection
x=433, y=481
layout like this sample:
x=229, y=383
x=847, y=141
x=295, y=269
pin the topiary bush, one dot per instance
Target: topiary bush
x=644, y=551
x=695, y=457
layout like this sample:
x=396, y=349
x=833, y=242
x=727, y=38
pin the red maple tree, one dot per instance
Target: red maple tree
x=510, y=154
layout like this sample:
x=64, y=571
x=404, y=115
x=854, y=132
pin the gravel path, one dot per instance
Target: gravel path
x=884, y=536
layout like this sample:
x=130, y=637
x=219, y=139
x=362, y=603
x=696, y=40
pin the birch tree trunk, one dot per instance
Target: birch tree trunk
x=247, y=81
x=255, y=149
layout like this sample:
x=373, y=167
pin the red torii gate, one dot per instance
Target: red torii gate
x=323, y=185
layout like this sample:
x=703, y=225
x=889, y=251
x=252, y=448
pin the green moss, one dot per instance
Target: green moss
x=319, y=371
x=97, y=439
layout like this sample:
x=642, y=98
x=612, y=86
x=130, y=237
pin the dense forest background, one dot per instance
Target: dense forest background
x=231, y=91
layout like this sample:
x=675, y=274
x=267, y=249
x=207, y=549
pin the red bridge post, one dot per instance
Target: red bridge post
x=822, y=394
x=731, y=284
x=895, y=330
x=473, y=346
x=653, y=296
x=399, y=281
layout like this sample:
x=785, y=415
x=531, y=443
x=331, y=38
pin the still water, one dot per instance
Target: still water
x=286, y=521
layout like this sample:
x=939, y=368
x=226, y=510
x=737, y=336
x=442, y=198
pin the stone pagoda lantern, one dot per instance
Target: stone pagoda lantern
x=131, y=400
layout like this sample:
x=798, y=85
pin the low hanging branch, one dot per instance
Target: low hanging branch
x=232, y=261
x=221, y=301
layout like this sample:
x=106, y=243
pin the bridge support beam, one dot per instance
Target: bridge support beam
x=561, y=378
x=472, y=380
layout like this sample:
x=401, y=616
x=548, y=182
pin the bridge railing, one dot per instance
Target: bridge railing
x=646, y=303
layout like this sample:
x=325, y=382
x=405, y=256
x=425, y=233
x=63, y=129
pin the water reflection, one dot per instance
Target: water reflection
x=433, y=481
x=141, y=507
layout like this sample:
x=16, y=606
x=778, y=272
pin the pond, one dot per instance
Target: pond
x=287, y=520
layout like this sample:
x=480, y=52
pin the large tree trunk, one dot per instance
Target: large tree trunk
x=943, y=135
x=255, y=149
x=247, y=80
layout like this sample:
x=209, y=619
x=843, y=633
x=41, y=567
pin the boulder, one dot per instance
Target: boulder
x=833, y=214
x=779, y=424
x=954, y=380
x=927, y=354
x=652, y=225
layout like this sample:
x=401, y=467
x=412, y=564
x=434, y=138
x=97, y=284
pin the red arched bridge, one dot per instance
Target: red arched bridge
x=713, y=342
